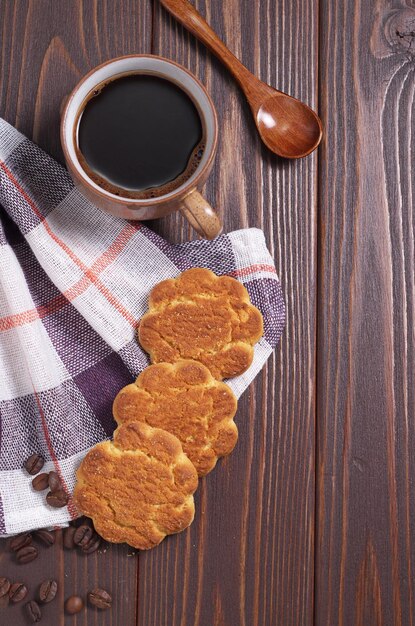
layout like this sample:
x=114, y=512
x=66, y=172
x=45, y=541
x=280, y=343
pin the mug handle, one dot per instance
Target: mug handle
x=200, y=215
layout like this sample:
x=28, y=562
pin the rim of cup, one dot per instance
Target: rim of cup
x=146, y=64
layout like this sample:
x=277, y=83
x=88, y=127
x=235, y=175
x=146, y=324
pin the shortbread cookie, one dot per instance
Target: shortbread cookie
x=203, y=317
x=187, y=401
x=138, y=488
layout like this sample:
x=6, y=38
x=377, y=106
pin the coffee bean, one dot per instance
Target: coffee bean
x=33, y=611
x=68, y=535
x=27, y=554
x=34, y=464
x=18, y=592
x=100, y=598
x=4, y=592
x=4, y=601
x=4, y=586
x=92, y=545
x=73, y=605
x=83, y=535
x=81, y=521
x=54, y=481
x=47, y=591
x=45, y=536
x=40, y=482
x=57, y=499
x=20, y=541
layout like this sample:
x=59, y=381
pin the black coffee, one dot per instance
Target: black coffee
x=139, y=136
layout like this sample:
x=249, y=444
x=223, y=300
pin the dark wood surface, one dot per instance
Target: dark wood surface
x=365, y=399
x=310, y=521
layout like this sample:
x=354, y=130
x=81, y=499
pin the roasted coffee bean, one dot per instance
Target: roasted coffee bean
x=81, y=521
x=83, y=535
x=18, y=592
x=92, y=545
x=4, y=592
x=20, y=541
x=68, y=535
x=4, y=601
x=34, y=464
x=47, y=591
x=4, y=586
x=40, y=482
x=45, y=536
x=73, y=605
x=33, y=611
x=27, y=554
x=57, y=499
x=100, y=598
x=54, y=481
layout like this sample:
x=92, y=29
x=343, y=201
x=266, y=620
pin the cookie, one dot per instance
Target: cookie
x=203, y=317
x=188, y=402
x=137, y=488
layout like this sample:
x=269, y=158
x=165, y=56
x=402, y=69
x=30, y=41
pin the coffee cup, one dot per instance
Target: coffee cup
x=184, y=196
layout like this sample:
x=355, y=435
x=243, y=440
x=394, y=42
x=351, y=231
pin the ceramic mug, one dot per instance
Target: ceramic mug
x=186, y=198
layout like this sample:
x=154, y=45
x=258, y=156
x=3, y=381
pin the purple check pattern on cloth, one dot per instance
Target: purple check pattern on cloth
x=74, y=281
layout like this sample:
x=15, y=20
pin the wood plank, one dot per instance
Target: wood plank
x=45, y=48
x=248, y=557
x=366, y=432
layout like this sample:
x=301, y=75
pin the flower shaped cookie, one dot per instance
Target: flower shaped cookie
x=137, y=488
x=203, y=317
x=188, y=402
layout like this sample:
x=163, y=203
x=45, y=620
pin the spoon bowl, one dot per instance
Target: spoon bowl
x=287, y=126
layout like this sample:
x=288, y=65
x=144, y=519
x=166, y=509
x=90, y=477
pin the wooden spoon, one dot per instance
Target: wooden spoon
x=287, y=126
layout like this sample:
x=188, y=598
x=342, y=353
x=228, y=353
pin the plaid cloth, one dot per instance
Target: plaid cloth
x=73, y=283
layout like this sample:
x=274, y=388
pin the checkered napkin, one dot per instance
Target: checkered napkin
x=73, y=283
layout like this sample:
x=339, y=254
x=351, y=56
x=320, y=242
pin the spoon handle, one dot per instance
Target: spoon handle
x=187, y=15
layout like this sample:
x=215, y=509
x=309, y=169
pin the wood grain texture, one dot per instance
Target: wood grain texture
x=366, y=434
x=45, y=48
x=248, y=558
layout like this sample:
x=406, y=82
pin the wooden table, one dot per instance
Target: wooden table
x=311, y=520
